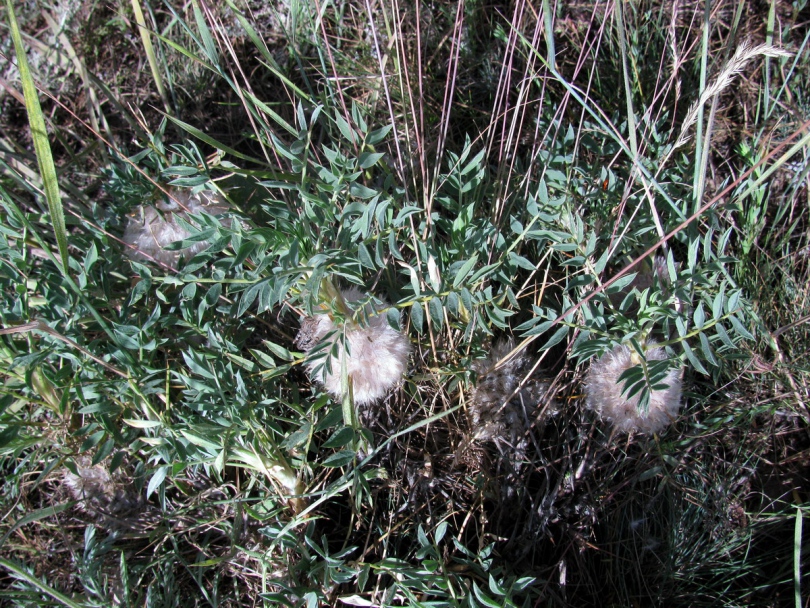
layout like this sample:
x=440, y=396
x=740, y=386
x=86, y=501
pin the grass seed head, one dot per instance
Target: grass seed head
x=604, y=392
x=374, y=353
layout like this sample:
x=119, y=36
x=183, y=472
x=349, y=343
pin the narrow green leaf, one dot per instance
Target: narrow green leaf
x=740, y=328
x=797, y=559
x=558, y=336
x=142, y=424
x=339, y=459
x=146, y=38
x=602, y=261
x=266, y=361
x=436, y=312
x=465, y=269
x=340, y=438
x=157, y=479
x=20, y=573
x=369, y=159
x=35, y=516
x=699, y=316
x=378, y=135
x=208, y=139
x=533, y=327
x=707, y=349
x=207, y=39
x=201, y=441
x=42, y=146
x=693, y=359
x=343, y=125
x=360, y=191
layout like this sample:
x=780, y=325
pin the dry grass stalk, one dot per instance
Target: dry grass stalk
x=744, y=53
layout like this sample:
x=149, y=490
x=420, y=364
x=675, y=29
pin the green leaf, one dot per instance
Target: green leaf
x=207, y=39
x=266, y=361
x=201, y=441
x=417, y=316
x=195, y=363
x=465, y=269
x=341, y=437
x=699, y=316
x=278, y=350
x=740, y=328
x=35, y=516
x=339, y=459
x=32, y=580
x=650, y=473
x=242, y=362
x=534, y=327
x=209, y=140
x=484, y=598
x=344, y=127
x=707, y=349
x=436, y=312
x=360, y=191
x=157, y=479
x=602, y=261
x=369, y=159
x=364, y=256
x=558, y=336
x=331, y=419
x=297, y=438
x=378, y=135
x=717, y=304
x=693, y=359
x=521, y=262
x=483, y=271
x=142, y=424
x=42, y=146
x=441, y=530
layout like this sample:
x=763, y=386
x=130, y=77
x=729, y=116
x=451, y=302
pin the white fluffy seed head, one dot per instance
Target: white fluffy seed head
x=604, y=392
x=500, y=411
x=375, y=354
x=151, y=228
x=99, y=492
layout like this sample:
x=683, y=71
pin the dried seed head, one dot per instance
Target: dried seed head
x=151, y=228
x=495, y=413
x=100, y=493
x=604, y=392
x=374, y=353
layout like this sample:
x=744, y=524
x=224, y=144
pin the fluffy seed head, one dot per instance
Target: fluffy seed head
x=375, y=354
x=604, y=392
x=151, y=228
x=100, y=493
x=495, y=414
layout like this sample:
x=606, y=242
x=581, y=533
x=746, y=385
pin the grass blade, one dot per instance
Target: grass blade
x=42, y=146
x=146, y=38
x=21, y=574
x=797, y=559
